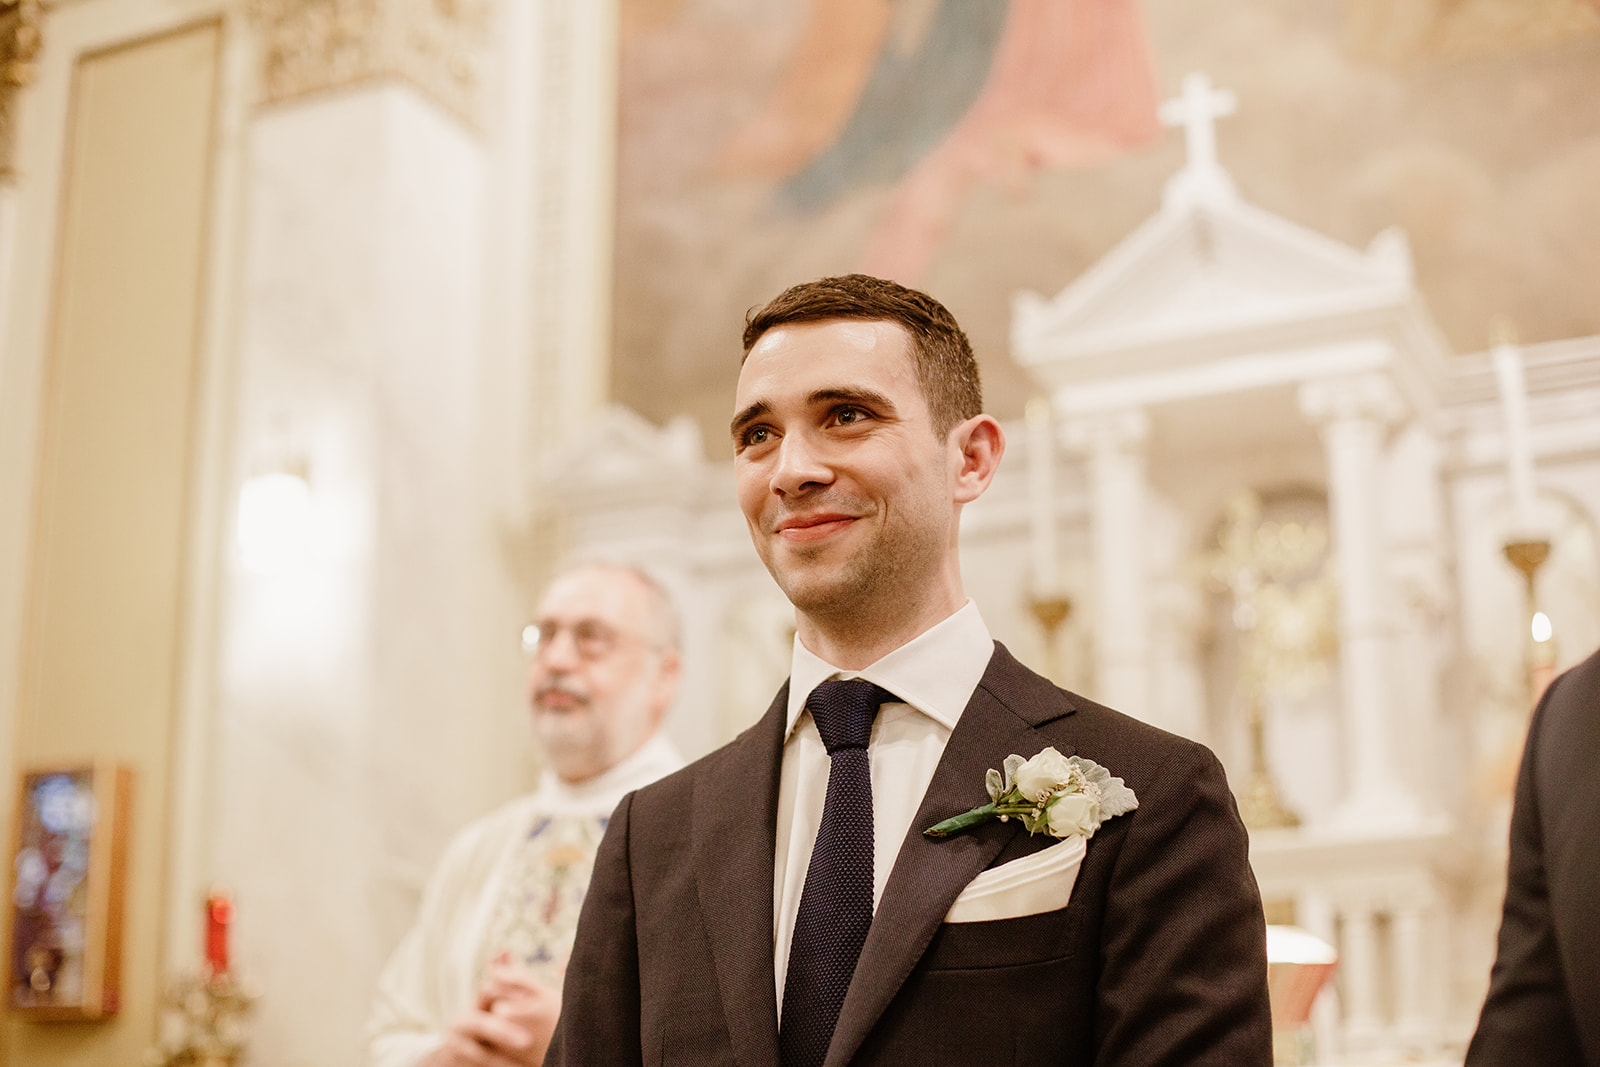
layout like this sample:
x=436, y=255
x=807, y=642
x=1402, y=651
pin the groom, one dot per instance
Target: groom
x=777, y=901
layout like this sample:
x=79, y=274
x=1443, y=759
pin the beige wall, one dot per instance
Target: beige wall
x=101, y=656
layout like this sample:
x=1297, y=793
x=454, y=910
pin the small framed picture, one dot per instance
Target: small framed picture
x=67, y=892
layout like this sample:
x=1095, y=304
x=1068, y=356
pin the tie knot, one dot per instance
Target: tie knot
x=844, y=710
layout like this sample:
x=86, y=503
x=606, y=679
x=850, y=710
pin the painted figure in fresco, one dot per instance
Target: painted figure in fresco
x=939, y=98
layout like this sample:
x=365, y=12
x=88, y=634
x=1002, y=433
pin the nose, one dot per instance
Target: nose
x=557, y=653
x=801, y=465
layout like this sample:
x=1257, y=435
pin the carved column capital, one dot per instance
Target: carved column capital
x=20, y=38
x=1360, y=398
x=308, y=46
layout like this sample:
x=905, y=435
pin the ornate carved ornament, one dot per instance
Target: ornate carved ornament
x=20, y=38
x=308, y=46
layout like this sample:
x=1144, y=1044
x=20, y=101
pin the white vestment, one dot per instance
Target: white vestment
x=531, y=855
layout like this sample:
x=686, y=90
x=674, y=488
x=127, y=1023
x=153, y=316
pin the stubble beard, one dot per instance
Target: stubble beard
x=862, y=591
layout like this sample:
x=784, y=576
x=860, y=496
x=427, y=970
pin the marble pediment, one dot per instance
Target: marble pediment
x=622, y=451
x=1213, y=293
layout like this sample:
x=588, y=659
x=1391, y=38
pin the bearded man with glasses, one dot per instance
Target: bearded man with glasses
x=478, y=979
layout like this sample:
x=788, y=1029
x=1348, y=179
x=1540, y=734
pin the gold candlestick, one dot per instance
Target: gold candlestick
x=1527, y=557
x=1051, y=611
x=211, y=1009
x=1260, y=807
x=1538, y=657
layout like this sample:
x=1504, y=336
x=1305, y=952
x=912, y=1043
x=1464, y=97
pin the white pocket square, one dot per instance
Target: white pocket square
x=1031, y=885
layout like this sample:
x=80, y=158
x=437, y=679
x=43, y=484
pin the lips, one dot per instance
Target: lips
x=800, y=529
x=559, y=698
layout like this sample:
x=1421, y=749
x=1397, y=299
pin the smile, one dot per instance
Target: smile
x=812, y=527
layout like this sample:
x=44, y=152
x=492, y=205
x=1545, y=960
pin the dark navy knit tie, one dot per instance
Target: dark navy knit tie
x=836, y=903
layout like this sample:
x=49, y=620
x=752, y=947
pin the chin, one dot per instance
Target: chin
x=565, y=737
x=814, y=590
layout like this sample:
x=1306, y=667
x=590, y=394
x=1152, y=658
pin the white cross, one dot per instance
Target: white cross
x=1197, y=111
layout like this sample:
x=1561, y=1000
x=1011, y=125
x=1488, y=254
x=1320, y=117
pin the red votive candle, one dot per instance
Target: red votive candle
x=219, y=914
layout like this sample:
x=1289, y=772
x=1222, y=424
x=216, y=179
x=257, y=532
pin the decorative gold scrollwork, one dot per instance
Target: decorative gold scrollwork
x=308, y=46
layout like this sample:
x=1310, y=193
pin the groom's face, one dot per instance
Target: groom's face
x=847, y=490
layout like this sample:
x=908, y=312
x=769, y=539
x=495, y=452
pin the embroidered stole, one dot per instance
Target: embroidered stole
x=536, y=919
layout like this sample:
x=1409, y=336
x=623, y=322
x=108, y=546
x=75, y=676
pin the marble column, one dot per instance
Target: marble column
x=1353, y=415
x=1410, y=931
x=370, y=692
x=1113, y=449
x=1359, y=964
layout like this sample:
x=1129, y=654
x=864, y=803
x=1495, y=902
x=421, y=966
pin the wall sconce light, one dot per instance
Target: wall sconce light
x=275, y=518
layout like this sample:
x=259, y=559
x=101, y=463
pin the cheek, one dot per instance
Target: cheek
x=750, y=486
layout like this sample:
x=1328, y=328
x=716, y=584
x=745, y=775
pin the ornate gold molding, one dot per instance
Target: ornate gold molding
x=20, y=38
x=436, y=45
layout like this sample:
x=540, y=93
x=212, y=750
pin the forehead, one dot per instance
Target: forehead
x=798, y=359
x=593, y=593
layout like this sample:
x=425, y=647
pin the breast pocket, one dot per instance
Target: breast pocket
x=1019, y=942
x=1032, y=885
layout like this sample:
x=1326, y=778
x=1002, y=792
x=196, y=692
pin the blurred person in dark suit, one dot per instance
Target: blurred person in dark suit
x=1543, y=1004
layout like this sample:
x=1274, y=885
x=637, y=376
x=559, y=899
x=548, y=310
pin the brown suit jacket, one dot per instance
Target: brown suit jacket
x=1158, y=958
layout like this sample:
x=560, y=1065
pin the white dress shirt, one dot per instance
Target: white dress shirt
x=934, y=675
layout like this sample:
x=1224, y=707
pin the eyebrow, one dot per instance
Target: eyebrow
x=870, y=397
x=747, y=416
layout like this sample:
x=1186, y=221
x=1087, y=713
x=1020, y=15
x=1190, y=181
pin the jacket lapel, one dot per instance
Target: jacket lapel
x=929, y=874
x=734, y=838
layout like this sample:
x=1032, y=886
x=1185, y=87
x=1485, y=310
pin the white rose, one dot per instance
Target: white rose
x=1075, y=813
x=1047, y=771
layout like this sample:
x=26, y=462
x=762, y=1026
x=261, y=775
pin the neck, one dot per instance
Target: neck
x=854, y=639
x=581, y=771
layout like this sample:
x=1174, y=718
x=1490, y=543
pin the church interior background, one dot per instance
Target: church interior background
x=328, y=328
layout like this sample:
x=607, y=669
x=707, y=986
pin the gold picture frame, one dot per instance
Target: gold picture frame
x=68, y=862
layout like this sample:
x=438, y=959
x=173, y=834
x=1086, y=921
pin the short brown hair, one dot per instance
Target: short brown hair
x=946, y=367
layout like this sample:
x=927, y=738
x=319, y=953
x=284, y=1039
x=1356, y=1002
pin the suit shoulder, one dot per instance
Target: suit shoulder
x=1090, y=725
x=1102, y=719
x=1144, y=755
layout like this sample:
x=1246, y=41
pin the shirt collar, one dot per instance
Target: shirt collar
x=935, y=672
x=654, y=759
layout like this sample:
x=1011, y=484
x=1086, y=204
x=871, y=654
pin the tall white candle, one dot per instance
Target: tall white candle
x=1519, y=453
x=1042, y=496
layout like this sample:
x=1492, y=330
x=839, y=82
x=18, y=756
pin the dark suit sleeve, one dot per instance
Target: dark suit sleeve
x=1527, y=1016
x=599, y=1022
x=1183, y=958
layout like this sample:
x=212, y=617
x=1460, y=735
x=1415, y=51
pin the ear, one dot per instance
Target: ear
x=975, y=450
x=666, y=684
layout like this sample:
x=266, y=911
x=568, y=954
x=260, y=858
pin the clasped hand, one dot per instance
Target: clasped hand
x=510, y=1026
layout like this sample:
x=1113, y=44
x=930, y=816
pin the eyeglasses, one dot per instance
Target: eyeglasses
x=593, y=639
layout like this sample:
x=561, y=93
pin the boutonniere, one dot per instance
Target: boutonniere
x=1063, y=796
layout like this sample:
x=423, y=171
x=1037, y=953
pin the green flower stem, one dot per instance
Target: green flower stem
x=960, y=822
x=957, y=823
